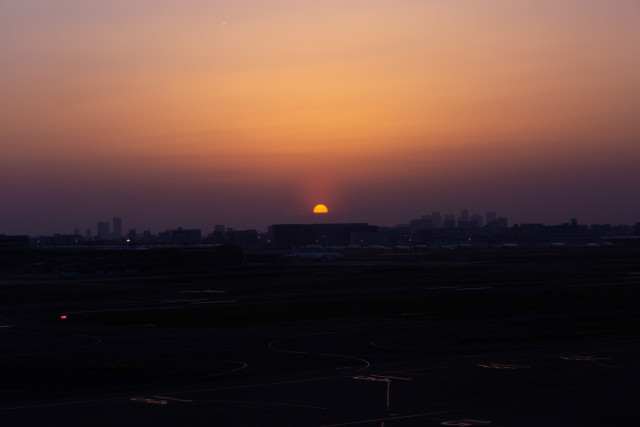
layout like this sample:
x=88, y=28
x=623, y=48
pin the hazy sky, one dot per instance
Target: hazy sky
x=246, y=113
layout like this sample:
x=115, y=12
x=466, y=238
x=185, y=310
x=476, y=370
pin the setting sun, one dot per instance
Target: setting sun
x=320, y=209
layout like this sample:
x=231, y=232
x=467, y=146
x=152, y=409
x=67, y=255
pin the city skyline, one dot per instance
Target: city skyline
x=44, y=227
x=115, y=228
x=248, y=114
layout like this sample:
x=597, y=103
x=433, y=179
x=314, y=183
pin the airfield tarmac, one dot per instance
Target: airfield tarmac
x=530, y=339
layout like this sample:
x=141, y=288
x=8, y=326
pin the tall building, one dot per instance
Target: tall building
x=433, y=221
x=475, y=221
x=421, y=224
x=437, y=220
x=464, y=216
x=502, y=222
x=490, y=217
x=117, y=227
x=449, y=221
x=103, y=230
x=185, y=237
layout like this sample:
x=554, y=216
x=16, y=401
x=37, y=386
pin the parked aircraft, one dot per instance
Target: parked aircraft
x=316, y=256
x=557, y=245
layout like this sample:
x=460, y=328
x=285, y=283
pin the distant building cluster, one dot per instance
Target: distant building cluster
x=464, y=221
x=284, y=236
x=430, y=231
x=433, y=236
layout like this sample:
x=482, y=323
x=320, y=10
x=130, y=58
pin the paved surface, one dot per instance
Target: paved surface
x=526, y=343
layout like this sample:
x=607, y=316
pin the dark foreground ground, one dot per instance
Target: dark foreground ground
x=502, y=339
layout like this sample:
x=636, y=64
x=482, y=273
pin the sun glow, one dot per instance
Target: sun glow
x=320, y=209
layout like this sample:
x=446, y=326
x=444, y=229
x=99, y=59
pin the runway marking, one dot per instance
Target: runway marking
x=502, y=366
x=97, y=340
x=392, y=347
x=173, y=398
x=377, y=420
x=244, y=365
x=115, y=399
x=387, y=377
x=272, y=346
x=585, y=358
x=266, y=403
x=371, y=379
x=593, y=359
x=6, y=326
x=114, y=310
x=464, y=423
x=149, y=400
x=170, y=301
x=382, y=378
x=474, y=289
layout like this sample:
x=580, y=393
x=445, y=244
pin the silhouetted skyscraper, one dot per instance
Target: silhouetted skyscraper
x=476, y=221
x=437, y=220
x=449, y=221
x=103, y=230
x=491, y=217
x=117, y=227
x=464, y=216
x=502, y=222
x=431, y=221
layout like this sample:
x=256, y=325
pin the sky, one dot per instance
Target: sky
x=250, y=112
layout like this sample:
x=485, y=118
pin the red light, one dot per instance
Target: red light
x=64, y=316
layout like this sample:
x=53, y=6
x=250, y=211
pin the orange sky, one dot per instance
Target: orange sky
x=249, y=113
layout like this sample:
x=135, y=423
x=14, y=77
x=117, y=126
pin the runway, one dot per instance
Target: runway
x=397, y=346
